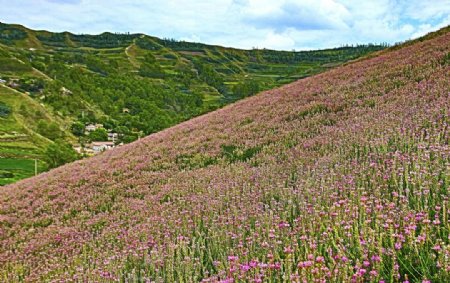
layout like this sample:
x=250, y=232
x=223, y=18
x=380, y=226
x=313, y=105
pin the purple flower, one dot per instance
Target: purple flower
x=245, y=267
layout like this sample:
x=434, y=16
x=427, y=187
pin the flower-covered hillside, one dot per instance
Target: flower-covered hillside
x=339, y=177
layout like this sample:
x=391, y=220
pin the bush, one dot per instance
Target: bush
x=194, y=161
x=313, y=110
x=50, y=130
x=245, y=89
x=6, y=174
x=12, y=65
x=98, y=135
x=5, y=110
x=151, y=70
x=59, y=153
x=77, y=129
x=233, y=153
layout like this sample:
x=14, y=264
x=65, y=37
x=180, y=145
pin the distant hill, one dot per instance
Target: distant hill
x=339, y=177
x=136, y=84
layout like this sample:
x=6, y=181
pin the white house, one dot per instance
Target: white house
x=78, y=148
x=65, y=91
x=102, y=146
x=112, y=136
x=91, y=128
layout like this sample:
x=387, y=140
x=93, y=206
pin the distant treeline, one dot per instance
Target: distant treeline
x=104, y=40
x=9, y=33
x=270, y=56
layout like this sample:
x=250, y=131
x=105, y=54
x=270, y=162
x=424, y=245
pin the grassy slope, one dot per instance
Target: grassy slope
x=19, y=141
x=23, y=120
x=340, y=176
x=20, y=144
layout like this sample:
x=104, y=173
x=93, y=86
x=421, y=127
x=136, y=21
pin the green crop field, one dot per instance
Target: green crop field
x=14, y=169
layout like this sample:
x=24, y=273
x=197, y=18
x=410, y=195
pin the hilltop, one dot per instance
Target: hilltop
x=132, y=84
x=342, y=176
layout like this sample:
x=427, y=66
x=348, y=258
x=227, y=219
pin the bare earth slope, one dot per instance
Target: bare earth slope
x=341, y=176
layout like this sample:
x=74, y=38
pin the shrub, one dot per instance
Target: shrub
x=49, y=130
x=98, y=135
x=77, y=129
x=59, y=153
x=6, y=174
x=5, y=110
x=313, y=110
x=233, y=153
x=194, y=161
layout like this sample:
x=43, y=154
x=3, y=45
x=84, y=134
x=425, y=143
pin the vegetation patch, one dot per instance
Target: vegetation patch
x=445, y=59
x=6, y=174
x=11, y=65
x=232, y=153
x=246, y=121
x=9, y=34
x=194, y=161
x=309, y=111
x=313, y=110
x=5, y=110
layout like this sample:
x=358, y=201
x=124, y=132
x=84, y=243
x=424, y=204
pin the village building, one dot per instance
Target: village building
x=113, y=136
x=78, y=148
x=65, y=91
x=13, y=84
x=93, y=127
x=90, y=128
x=98, y=147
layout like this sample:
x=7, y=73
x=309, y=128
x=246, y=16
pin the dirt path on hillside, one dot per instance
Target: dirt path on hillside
x=131, y=57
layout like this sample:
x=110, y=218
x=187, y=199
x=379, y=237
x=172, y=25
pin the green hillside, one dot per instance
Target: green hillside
x=21, y=139
x=133, y=84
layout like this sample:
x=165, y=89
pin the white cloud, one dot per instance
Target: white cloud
x=278, y=41
x=426, y=28
x=424, y=10
x=316, y=15
x=282, y=24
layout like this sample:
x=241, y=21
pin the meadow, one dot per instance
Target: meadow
x=338, y=177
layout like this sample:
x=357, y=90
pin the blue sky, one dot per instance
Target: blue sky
x=275, y=24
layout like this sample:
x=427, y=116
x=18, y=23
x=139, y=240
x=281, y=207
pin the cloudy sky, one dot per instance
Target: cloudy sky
x=275, y=24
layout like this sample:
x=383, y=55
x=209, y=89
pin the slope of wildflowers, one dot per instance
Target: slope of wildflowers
x=340, y=177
